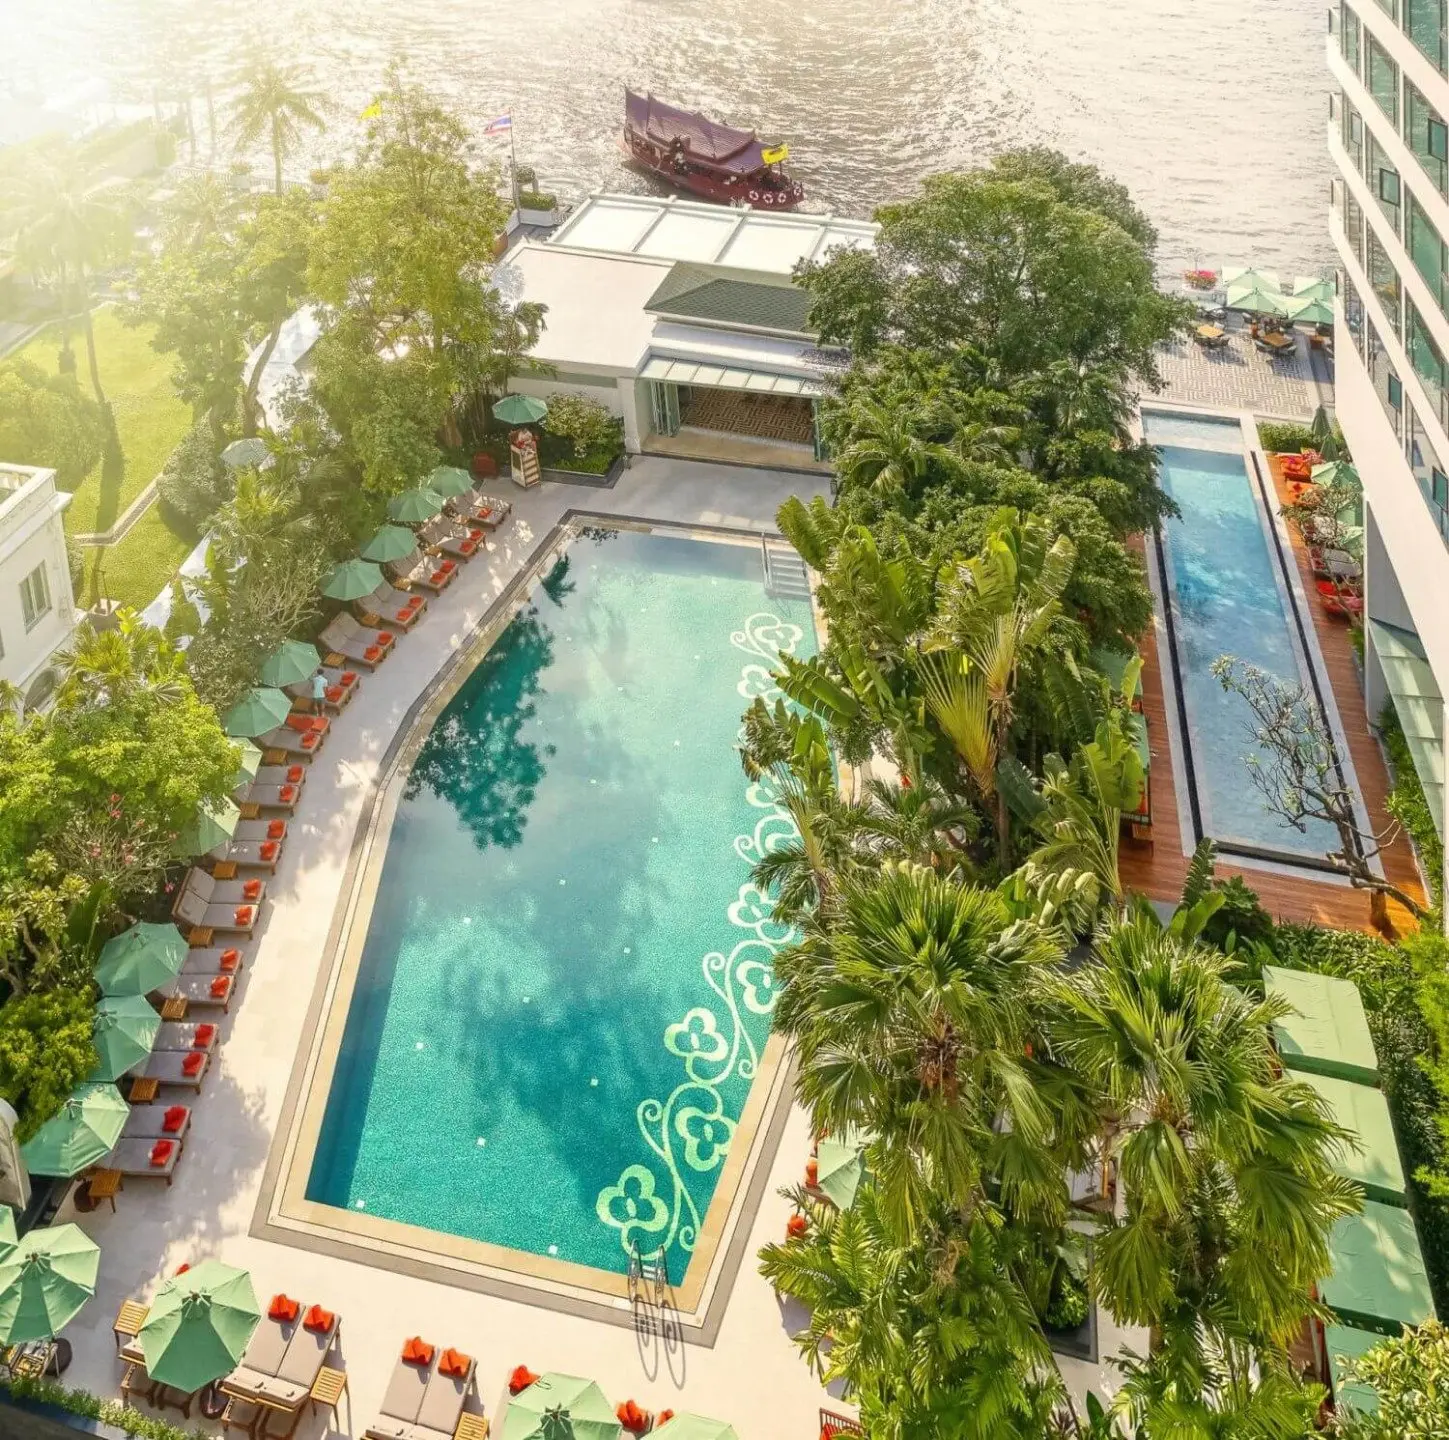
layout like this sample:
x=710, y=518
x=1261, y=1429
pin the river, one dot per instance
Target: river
x=1211, y=111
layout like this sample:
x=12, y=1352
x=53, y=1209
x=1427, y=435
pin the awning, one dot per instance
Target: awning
x=1364, y=1113
x=1344, y=1343
x=1327, y=1032
x=721, y=377
x=1419, y=706
x=1378, y=1280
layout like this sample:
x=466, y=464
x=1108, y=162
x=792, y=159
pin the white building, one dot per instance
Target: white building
x=37, y=607
x=1390, y=221
x=681, y=318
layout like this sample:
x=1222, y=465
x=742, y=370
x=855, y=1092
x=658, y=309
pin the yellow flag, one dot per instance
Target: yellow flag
x=775, y=156
x=372, y=112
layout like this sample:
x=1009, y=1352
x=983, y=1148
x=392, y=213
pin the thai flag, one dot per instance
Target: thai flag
x=499, y=126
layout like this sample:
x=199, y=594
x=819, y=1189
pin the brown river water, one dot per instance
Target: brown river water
x=1212, y=111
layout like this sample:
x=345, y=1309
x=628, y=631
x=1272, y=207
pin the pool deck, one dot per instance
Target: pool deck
x=751, y=1375
x=1239, y=377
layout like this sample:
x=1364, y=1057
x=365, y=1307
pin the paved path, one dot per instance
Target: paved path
x=1238, y=377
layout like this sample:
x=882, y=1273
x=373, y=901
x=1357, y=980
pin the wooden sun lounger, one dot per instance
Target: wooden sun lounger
x=306, y=1353
x=202, y=992
x=262, y=1358
x=167, y=1067
x=133, y=1158
x=213, y=960
x=201, y=921
x=450, y=538
x=300, y=740
x=182, y=1035
x=388, y=605
x=402, y=1401
x=443, y=1403
x=339, y=692
x=224, y=892
x=426, y=573
x=293, y=774
x=346, y=646
x=148, y=1122
x=474, y=507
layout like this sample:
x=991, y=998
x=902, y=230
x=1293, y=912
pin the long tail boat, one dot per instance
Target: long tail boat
x=683, y=148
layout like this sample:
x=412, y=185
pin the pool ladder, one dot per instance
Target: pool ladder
x=785, y=574
x=648, y=1273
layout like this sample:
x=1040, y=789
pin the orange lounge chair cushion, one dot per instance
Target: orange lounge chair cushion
x=283, y=1308
x=252, y=889
x=334, y=693
x=372, y=652
x=455, y=1363
x=413, y=601
x=174, y=1119
x=349, y=677
x=664, y=1417
x=417, y=1351
x=448, y=566
x=476, y=533
x=230, y=959
x=311, y=740
x=319, y=1321
x=468, y=546
x=286, y=794
x=244, y=914
x=295, y=774
x=268, y=849
x=521, y=1379
x=220, y=987
x=386, y=637
x=439, y=576
x=203, y=1037
x=161, y=1152
x=632, y=1418
x=191, y=1066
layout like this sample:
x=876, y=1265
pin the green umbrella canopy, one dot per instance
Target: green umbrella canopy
x=520, y=410
x=244, y=454
x=392, y=542
x=292, y=661
x=694, y=1427
x=141, y=959
x=247, y=766
x=1312, y=287
x=1255, y=298
x=561, y=1406
x=125, y=1031
x=1308, y=309
x=414, y=506
x=44, y=1281
x=198, y=1326
x=1336, y=474
x=86, y=1127
x=352, y=579
x=7, y=1226
x=212, y=825
x=449, y=480
x=261, y=709
x=1240, y=276
x=840, y=1166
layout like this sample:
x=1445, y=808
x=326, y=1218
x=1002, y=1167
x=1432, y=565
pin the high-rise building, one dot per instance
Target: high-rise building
x=1389, y=137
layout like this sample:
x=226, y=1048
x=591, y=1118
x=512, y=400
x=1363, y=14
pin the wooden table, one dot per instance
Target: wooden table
x=471, y=1426
x=1210, y=332
x=29, y=1360
x=1278, y=342
x=328, y=1389
x=174, y=1008
x=143, y=1090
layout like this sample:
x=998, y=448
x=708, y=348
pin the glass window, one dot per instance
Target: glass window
x=1390, y=8
x=35, y=597
x=1353, y=315
x=1383, y=278
x=1426, y=136
x=1428, y=362
x=1383, y=79
x=1386, y=383
x=1384, y=181
x=1352, y=133
x=1424, y=21
x=1426, y=250
x=1429, y=470
x=1350, y=37
x=1353, y=225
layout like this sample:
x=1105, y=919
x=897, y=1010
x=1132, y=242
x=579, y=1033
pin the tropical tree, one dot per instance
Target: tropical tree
x=45, y=1052
x=48, y=420
x=892, y=443
x=1410, y=1376
x=275, y=105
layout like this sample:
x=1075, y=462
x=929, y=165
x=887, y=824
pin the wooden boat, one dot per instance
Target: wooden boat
x=713, y=161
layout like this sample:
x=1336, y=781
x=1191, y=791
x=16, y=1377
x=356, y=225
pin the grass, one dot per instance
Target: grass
x=138, y=566
x=150, y=420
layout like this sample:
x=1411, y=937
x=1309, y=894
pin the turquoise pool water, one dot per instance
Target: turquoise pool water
x=567, y=976
x=1226, y=580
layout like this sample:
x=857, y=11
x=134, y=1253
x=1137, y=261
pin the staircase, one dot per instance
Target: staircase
x=786, y=577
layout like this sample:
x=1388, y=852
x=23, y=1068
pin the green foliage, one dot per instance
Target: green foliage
x=46, y=1050
x=91, y=1407
x=1285, y=437
x=584, y=422
x=1239, y=916
x=1410, y=1375
x=274, y=105
x=194, y=484
x=1408, y=805
x=537, y=200
x=46, y=420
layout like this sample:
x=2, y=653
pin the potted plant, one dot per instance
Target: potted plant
x=535, y=206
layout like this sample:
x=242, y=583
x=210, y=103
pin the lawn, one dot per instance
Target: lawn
x=138, y=566
x=149, y=418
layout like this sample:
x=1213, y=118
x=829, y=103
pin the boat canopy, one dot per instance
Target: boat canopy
x=706, y=143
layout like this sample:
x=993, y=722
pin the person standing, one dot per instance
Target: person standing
x=319, y=692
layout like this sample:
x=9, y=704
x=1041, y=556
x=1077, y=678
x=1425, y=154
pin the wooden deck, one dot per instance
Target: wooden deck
x=1159, y=871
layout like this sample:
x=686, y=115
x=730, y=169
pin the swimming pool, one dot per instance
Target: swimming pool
x=566, y=982
x=1228, y=597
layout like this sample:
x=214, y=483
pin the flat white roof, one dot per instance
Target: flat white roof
x=673, y=229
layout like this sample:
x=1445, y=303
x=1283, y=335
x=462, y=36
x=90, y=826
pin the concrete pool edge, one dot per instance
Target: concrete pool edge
x=283, y=1214
x=1302, y=636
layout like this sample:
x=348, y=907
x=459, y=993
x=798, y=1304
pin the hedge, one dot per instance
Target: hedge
x=1285, y=437
x=92, y=1407
x=537, y=200
x=1408, y=805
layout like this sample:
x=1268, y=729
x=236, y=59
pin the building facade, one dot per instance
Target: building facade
x=1389, y=137
x=37, y=606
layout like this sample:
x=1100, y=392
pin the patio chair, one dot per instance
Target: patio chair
x=294, y=773
x=264, y=1354
x=403, y=1399
x=158, y=1122
x=185, y=1069
x=214, y=960
x=155, y=1159
x=345, y=640
x=201, y=921
x=390, y=606
x=224, y=892
x=428, y=574
x=186, y=1035
x=311, y=1343
x=341, y=687
x=459, y=541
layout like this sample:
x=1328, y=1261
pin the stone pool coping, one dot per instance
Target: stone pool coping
x=285, y=1214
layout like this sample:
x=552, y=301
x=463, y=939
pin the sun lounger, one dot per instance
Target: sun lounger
x=306, y=1352
x=443, y=1403
x=402, y=1402
x=201, y=992
x=224, y=892
x=348, y=641
x=263, y=1356
x=290, y=774
x=186, y=1035
x=154, y=1158
x=389, y=606
x=424, y=572
x=201, y=920
x=341, y=687
x=148, y=1122
x=299, y=735
x=459, y=541
x=249, y=854
x=214, y=960
x=282, y=797
x=176, y=1067
x=474, y=507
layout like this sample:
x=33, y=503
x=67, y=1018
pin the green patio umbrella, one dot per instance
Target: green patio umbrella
x=44, y=1281
x=414, y=506
x=125, y=1031
x=247, y=766
x=392, y=542
x=141, y=959
x=840, y=1166
x=261, y=709
x=7, y=1227
x=1308, y=310
x=1255, y=298
x=1242, y=275
x=1312, y=287
x=199, y=1325
x=520, y=410
x=292, y=661
x=212, y=825
x=556, y=1407
x=449, y=480
x=86, y=1127
x=694, y=1427
x=1336, y=474
x=352, y=579
x=244, y=454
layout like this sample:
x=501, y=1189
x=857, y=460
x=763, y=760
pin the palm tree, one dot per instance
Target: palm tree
x=274, y=104
x=1230, y=1193
x=916, y=821
x=105, y=667
x=909, y=1009
x=68, y=227
x=891, y=444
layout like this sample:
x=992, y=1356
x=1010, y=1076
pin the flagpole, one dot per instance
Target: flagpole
x=513, y=159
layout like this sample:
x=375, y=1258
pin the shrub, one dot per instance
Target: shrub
x=1408, y=805
x=537, y=200
x=1410, y=1375
x=45, y=1052
x=585, y=422
x=48, y=420
x=92, y=1407
x=1069, y=1305
x=194, y=484
x=1240, y=915
x=75, y=563
x=1285, y=437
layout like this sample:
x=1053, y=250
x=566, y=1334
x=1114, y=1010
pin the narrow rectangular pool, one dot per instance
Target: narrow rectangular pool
x=1228, y=597
x=566, y=983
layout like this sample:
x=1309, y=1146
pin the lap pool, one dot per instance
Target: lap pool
x=566, y=982
x=1228, y=596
